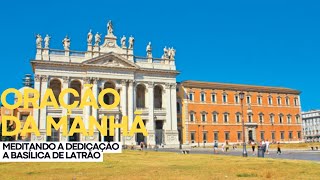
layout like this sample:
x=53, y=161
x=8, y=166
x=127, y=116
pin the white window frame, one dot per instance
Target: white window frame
x=296, y=101
x=271, y=116
x=204, y=97
x=238, y=115
x=193, y=115
x=214, y=114
x=270, y=100
x=297, y=118
x=289, y=119
x=236, y=99
x=280, y=119
x=261, y=118
x=287, y=101
x=251, y=118
x=226, y=97
x=279, y=101
x=191, y=99
x=225, y=116
x=248, y=98
x=194, y=136
x=204, y=134
x=205, y=117
x=259, y=100
x=213, y=100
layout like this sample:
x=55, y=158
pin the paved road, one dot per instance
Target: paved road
x=286, y=154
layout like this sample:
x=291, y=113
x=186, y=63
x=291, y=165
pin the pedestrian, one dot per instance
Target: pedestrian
x=222, y=147
x=215, y=147
x=253, y=146
x=279, y=149
x=227, y=146
x=264, y=146
x=267, y=146
x=141, y=145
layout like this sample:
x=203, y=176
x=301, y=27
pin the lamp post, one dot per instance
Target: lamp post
x=244, y=152
x=204, y=144
x=117, y=134
x=155, y=124
x=198, y=135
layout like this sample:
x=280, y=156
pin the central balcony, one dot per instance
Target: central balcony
x=115, y=110
x=159, y=111
x=144, y=111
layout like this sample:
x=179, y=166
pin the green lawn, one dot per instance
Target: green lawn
x=163, y=165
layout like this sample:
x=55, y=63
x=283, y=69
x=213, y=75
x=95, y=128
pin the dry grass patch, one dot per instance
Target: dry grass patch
x=162, y=165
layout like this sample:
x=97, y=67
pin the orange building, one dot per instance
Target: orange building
x=21, y=113
x=209, y=111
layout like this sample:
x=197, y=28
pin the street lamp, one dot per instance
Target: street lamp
x=244, y=152
x=118, y=130
x=204, y=143
x=198, y=135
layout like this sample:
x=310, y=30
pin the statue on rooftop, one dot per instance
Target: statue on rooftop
x=149, y=49
x=172, y=53
x=131, y=42
x=97, y=38
x=66, y=43
x=89, y=38
x=165, y=53
x=123, y=41
x=110, y=27
x=47, y=41
x=38, y=41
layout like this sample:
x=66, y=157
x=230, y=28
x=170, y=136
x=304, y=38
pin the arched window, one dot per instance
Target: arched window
x=76, y=85
x=108, y=98
x=55, y=85
x=157, y=97
x=140, y=96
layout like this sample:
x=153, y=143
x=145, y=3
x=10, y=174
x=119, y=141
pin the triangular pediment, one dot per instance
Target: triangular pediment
x=111, y=60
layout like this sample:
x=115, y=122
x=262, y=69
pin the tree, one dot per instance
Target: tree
x=6, y=138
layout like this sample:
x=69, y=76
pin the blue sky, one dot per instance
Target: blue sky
x=253, y=42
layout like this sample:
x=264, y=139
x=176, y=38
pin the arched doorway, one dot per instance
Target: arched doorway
x=55, y=85
x=75, y=136
x=140, y=96
x=159, y=132
x=140, y=137
x=250, y=135
x=157, y=95
x=76, y=85
x=109, y=98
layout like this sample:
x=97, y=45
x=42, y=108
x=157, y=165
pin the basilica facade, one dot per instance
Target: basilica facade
x=146, y=84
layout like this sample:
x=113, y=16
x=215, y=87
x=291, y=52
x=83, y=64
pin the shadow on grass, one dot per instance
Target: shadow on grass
x=247, y=175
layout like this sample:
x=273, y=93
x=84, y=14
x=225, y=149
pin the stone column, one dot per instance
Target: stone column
x=168, y=107
x=150, y=124
x=131, y=140
x=174, y=125
x=36, y=112
x=65, y=85
x=172, y=136
x=123, y=103
x=86, y=109
x=123, y=97
x=96, y=51
x=39, y=53
x=94, y=110
x=43, y=111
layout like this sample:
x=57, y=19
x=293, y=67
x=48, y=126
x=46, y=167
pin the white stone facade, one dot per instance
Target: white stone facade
x=311, y=125
x=144, y=83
